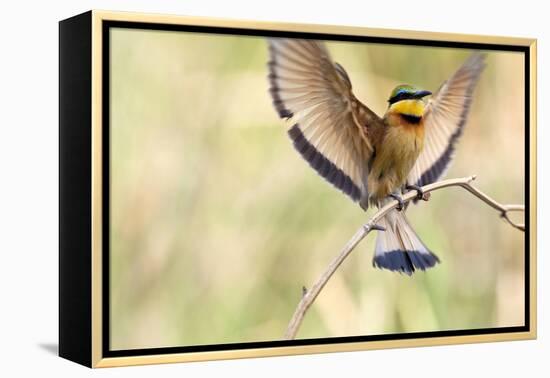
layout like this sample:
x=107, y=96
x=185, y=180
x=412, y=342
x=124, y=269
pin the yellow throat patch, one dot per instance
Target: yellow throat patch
x=411, y=107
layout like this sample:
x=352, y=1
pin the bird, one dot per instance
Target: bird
x=371, y=159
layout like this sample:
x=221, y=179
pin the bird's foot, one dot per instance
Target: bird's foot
x=420, y=195
x=401, y=204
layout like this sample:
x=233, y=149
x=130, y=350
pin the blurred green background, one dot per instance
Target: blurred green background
x=217, y=223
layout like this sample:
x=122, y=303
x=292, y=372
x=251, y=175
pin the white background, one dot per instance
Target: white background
x=29, y=188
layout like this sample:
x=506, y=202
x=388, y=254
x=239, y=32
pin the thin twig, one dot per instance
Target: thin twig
x=311, y=294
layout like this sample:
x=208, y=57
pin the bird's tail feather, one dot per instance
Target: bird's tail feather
x=399, y=248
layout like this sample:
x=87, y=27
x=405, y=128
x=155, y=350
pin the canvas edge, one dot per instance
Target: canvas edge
x=74, y=197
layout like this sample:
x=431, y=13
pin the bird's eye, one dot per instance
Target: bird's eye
x=399, y=95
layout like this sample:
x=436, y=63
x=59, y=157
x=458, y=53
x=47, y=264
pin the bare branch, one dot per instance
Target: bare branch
x=309, y=296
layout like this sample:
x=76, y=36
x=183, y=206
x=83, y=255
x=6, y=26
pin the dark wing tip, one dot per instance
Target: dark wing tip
x=474, y=66
x=274, y=90
x=405, y=261
x=343, y=74
x=477, y=59
x=322, y=165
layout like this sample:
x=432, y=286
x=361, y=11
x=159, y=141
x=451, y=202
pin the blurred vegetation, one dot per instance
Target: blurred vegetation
x=217, y=223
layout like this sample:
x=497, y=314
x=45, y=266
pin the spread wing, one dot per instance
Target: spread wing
x=330, y=126
x=444, y=120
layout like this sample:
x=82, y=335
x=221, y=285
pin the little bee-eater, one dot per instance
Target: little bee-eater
x=372, y=159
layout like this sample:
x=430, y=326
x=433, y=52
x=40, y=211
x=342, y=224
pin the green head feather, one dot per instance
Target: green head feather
x=405, y=92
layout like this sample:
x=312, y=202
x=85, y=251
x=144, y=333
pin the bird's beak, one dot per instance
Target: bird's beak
x=422, y=93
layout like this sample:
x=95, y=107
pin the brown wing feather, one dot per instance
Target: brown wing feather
x=330, y=126
x=445, y=117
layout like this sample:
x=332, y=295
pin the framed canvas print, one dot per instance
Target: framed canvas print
x=236, y=189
